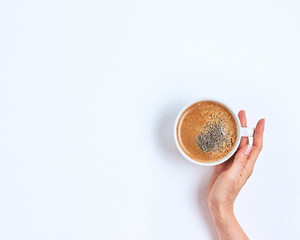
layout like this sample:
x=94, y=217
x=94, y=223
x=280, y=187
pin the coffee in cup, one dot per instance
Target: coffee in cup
x=207, y=132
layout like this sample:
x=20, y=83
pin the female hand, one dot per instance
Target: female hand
x=229, y=178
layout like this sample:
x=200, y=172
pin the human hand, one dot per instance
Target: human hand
x=229, y=178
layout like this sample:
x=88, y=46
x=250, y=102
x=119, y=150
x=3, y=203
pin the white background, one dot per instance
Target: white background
x=89, y=91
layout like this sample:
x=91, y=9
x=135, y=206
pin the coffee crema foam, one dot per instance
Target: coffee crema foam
x=207, y=131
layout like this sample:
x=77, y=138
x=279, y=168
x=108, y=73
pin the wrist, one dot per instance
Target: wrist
x=222, y=216
x=221, y=211
x=226, y=224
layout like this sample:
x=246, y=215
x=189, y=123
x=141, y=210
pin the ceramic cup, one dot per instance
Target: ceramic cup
x=241, y=132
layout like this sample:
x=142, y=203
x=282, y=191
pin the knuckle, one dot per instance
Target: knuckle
x=229, y=177
x=259, y=147
x=243, y=160
x=248, y=172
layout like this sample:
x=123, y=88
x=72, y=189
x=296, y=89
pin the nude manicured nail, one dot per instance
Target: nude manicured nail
x=248, y=149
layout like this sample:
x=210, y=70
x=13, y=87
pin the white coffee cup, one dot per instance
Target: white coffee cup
x=241, y=132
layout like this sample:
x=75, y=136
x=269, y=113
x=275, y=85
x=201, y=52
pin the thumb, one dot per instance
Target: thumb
x=240, y=160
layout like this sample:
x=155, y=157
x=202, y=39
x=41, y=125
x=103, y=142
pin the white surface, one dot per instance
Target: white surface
x=89, y=91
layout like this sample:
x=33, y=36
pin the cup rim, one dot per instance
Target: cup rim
x=233, y=150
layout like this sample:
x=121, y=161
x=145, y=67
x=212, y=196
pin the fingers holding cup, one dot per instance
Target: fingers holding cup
x=243, y=120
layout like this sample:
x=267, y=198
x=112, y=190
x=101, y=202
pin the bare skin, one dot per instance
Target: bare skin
x=227, y=181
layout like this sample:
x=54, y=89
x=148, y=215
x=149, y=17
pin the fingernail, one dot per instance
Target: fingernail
x=248, y=149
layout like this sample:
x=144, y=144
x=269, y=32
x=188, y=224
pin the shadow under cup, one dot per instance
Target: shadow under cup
x=202, y=116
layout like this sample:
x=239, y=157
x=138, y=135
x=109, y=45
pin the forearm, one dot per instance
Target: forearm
x=227, y=226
